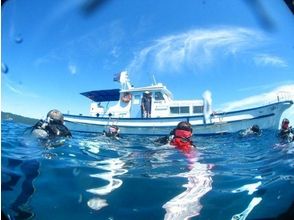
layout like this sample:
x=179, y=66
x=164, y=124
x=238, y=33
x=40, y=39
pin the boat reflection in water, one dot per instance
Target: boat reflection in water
x=111, y=168
x=187, y=204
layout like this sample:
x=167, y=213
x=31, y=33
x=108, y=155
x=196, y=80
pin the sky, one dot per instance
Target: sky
x=51, y=51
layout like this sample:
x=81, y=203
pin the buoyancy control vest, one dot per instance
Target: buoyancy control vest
x=182, y=140
x=53, y=129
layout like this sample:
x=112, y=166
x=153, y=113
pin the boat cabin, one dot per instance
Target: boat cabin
x=130, y=104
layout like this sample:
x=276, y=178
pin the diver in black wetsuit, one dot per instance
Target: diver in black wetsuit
x=253, y=130
x=45, y=131
x=286, y=133
x=52, y=127
x=113, y=131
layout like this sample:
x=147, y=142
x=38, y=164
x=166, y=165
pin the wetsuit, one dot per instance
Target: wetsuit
x=111, y=134
x=287, y=134
x=53, y=129
x=113, y=131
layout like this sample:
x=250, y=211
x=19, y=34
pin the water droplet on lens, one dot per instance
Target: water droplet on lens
x=18, y=39
x=76, y=171
x=4, y=68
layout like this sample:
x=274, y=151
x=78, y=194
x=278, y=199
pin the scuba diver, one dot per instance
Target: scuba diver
x=113, y=131
x=52, y=127
x=286, y=133
x=180, y=137
x=46, y=131
x=253, y=130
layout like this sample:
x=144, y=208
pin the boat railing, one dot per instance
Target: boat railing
x=284, y=96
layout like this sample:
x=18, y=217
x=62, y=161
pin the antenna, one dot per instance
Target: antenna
x=154, y=79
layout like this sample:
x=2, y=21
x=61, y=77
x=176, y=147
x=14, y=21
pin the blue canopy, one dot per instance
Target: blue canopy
x=102, y=95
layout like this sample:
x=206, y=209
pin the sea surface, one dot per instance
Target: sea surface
x=94, y=177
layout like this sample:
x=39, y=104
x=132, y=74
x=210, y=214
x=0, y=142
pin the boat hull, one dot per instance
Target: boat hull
x=267, y=117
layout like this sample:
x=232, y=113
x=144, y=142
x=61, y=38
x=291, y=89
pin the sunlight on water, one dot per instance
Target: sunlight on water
x=113, y=167
x=243, y=215
x=251, y=188
x=187, y=204
x=227, y=177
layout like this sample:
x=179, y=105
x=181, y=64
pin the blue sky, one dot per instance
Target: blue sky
x=242, y=52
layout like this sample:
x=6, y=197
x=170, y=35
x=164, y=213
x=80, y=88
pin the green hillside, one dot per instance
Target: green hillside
x=18, y=118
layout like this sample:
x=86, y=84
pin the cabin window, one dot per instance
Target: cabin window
x=197, y=109
x=179, y=110
x=136, y=99
x=158, y=96
x=174, y=110
x=184, y=109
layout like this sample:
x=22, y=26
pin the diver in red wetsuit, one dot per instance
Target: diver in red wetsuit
x=182, y=137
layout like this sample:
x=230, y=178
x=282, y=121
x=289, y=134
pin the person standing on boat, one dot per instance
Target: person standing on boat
x=286, y=133
x=146, y=105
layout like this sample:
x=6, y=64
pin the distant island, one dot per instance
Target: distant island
x=7, y=116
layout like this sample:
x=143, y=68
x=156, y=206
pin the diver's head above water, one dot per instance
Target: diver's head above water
x=55, y=116
x=52, y=127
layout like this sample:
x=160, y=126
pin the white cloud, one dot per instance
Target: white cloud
x=284, y=92
x=18, y=89
x=266, y=86
x=13, y=89
x=267, y=59
x=194, y=49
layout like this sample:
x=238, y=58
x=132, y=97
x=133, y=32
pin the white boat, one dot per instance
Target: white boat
x=166, y=112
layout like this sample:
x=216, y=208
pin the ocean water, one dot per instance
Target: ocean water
x=94, y=177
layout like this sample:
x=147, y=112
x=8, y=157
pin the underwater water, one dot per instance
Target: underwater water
x=95, y=177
